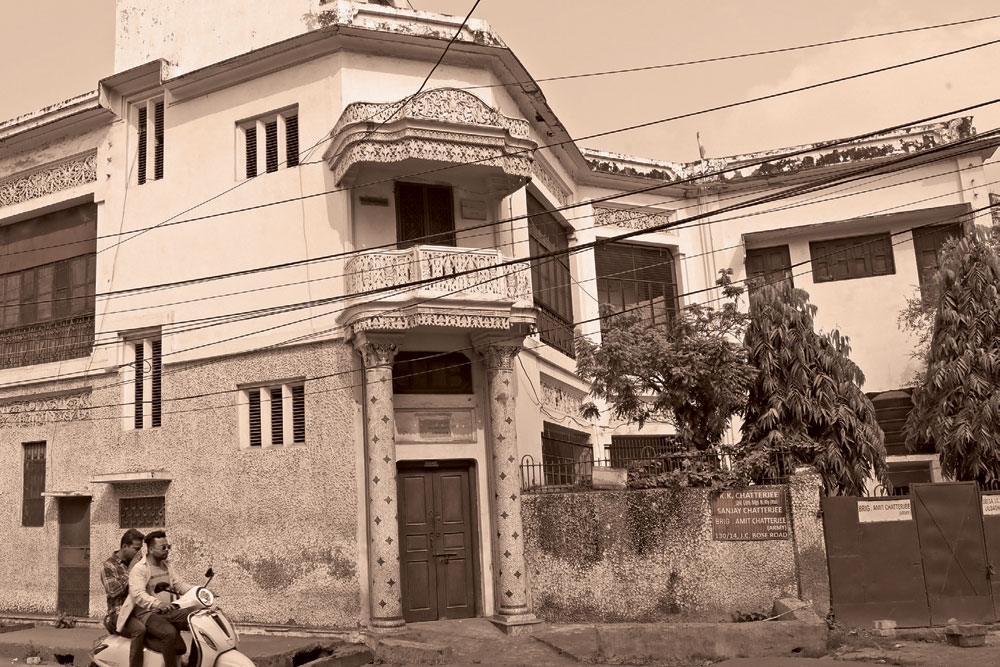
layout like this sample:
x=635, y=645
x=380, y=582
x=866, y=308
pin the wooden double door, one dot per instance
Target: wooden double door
x=437, y=541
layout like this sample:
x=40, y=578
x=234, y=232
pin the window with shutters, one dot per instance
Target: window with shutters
x=144, y=385
x=927, y=243
x=272, y=415
x=852, y=257
x=770, y=265
x=425, y=214
x=551, y=280
x=148, y=512
x=33, y=503
x=637, y=280
x=150, y=135
x=268, y=143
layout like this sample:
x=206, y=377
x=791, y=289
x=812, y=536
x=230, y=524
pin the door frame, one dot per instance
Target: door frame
x=469, y=465
x=61, y=505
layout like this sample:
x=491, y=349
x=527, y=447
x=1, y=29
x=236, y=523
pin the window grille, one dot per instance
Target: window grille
x=142, y=512
x=273, y=415
x=852, y=257
x=33, y=503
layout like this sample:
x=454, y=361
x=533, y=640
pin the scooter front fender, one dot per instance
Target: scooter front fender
x=233, y=658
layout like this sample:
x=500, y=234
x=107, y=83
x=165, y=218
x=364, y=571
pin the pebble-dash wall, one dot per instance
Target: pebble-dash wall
x=649, y=555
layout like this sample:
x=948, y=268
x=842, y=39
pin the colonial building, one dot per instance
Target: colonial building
x=259, y=292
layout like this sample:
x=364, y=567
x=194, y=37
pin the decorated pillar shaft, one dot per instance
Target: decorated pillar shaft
x=383, y=554
x=512, y=592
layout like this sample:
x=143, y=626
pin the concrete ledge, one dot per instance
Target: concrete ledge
x=684, y=641
x=393, y=651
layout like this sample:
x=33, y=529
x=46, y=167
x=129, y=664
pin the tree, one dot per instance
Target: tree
x=691, y=368
x=957, y=404
x=806, y=398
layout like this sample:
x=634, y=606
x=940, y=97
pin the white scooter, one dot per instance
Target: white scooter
x=212, y=637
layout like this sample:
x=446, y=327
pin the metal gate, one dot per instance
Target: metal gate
x=919, y=560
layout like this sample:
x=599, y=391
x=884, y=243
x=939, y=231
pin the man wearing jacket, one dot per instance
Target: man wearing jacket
x=114, y=576
x=162, y=619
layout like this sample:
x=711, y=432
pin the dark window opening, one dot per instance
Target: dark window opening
x=148, y=365
x=425, y=214
x=142, y=512
x=292, y=141
x=854, y=257
x=551, y=279
x=927, y=243
x=271, y=146
x=158, y=139
x=566, y=454
x=253, y=397
x=625, y=449
x=298, y=413
x=277, y=424
x=903, y=473
x=770, y=265
x=250, y=134
x=431, y=373
x=638, y=280
x=33, y=502
x=142, y=121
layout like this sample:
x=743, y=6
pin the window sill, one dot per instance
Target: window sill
x=272, y=448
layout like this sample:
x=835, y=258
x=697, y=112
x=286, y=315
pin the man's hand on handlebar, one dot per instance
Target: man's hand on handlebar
x=163, y=607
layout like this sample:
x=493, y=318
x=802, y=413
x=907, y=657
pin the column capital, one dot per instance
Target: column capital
x=377, y=349
x=498, y=351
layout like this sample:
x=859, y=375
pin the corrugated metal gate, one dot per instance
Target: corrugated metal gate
x=920, y=559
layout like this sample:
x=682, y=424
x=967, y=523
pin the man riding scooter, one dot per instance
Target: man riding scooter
x=149, y=605
x=114, y=576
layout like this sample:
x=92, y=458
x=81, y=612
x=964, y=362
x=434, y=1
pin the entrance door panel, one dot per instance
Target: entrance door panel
x=74, y=556
x=435, y=530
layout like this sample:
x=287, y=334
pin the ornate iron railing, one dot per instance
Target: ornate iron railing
x=447, y=267
x=45, y=342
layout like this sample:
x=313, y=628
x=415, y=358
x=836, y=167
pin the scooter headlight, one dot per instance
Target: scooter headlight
x=206, y=597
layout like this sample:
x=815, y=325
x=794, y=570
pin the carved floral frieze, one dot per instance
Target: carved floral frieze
x=562, y=399
x=631, y=218
x=45, y=410
x=551, y=183
x=68, y=174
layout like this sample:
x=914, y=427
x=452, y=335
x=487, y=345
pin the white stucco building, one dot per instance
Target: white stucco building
x=258, y=293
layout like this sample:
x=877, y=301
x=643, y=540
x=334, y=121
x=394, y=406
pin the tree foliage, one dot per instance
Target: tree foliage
x=957, y=402
x=806, y=397
x=692, y=369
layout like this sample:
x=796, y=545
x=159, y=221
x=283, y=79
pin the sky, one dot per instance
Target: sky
x=55, y=49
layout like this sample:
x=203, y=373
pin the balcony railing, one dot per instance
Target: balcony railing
x=45, y=342
x=461, y=272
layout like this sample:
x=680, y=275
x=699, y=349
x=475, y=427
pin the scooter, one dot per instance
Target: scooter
x=211, y=640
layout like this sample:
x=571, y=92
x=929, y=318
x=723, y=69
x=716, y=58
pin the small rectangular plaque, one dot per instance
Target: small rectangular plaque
x=991, y=505
x=415, y=426
x=756, y=513
x=875, y=511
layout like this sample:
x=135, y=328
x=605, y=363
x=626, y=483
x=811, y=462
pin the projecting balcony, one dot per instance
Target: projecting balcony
x=468, y=289
x=444, y=127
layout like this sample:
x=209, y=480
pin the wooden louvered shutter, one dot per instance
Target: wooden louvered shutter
x=440, y=216
x=292, y=141
x=880, y=250
x=33, y=504
x=277, y=423
x=299, y=413
x=771, y=264
x=158, y=132
x=251, y=143
x=271, y=146
x=253, y=398
x=139, y=373
x=155, y=399
x=143, y=137
x=636, y=279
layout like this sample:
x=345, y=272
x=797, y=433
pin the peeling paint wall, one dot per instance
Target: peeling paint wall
x=278, y=526
x=645, y=556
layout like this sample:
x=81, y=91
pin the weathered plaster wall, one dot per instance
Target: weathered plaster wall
x=810, y=543
x=645, y=555
x=279, y=526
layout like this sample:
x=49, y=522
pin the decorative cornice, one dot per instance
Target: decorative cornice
x=632, y=218
x=64, y=407
x=551, y=183
x=70, y=173
x=458, y=320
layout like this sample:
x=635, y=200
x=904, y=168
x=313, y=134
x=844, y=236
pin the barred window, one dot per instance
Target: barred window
x=273, y=415
x=142, y=512
x=33, y=503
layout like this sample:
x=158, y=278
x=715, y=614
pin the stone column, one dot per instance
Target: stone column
x=809, y=541
x=383, y=525
x=511, y=586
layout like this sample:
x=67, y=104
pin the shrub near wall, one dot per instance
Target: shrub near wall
x=643, y=556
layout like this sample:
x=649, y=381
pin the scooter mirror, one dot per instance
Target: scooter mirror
x=209, y=573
